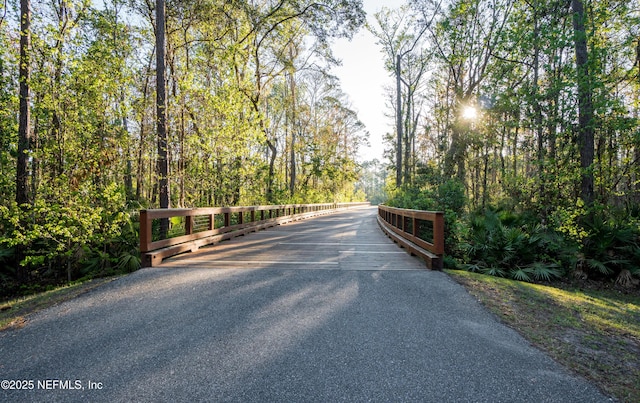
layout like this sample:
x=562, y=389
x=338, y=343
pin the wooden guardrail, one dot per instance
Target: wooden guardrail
x=193, y=228
x=420, y=232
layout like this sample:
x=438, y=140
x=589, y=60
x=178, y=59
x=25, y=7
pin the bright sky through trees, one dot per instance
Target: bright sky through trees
x=469, y=113
x=363, y=78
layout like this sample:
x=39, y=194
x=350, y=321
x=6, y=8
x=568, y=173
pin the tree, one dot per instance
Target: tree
x=161, y=114
x=265, y=40
x=24, y=135
x=400, y=34
x=585, y=102
x=8, y=106
x=161, y=106
x=372, y=181
x=466, y=40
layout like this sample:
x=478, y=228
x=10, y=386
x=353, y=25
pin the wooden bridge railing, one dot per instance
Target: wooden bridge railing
x=193, y=228
x=420, y=232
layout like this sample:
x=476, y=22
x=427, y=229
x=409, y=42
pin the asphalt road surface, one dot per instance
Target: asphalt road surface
x=324, y=310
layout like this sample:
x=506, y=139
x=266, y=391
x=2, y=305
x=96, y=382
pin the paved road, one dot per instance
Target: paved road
x=323, y=310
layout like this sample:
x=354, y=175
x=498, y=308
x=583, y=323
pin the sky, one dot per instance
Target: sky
x=363, y=78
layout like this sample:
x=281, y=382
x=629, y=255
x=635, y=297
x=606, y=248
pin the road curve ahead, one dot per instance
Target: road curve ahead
x=323, y=310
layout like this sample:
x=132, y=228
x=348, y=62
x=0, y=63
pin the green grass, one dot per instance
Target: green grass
x=14, y=313
x=596, y=333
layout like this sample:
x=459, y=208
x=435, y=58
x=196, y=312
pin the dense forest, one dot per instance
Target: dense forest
x=519, y=118
x=104, y=111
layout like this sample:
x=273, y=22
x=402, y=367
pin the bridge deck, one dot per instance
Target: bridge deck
x=350, y=240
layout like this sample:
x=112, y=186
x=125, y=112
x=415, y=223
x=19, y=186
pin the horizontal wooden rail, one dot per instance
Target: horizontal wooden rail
x=197, y=226
x=420, y=232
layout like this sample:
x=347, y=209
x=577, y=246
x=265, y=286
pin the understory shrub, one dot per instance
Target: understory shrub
x=597, y=243
x=63, y=237
x=499, y=244
x=611, y=250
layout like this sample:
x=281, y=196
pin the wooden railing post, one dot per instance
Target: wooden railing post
x=438, y=233
x=188, y=225
x=145, y=231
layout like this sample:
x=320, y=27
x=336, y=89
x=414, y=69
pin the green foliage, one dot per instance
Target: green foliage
x=570, y=221
x=411, y=198
x=549, y=134
x=495, y=246
x=446, y=196
x=509, y=245
x=612, y=247
x=451, y=196
x=87, y=233
x=7, y=270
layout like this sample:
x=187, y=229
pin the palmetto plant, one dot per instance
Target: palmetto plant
x=523, y=253
x=119, y=254
x=612, y=249
x=128, y=252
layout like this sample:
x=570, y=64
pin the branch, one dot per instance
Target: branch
x=256, y=26
x=291, y=17
x=427, y=26
x=4, y=14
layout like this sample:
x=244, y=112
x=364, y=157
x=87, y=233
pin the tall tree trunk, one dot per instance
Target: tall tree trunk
x=161, y=113
x=128, y=173
x=273, y=152
x=140, y=167
x=292, y=171
x=24, y=137
x=398, y=123
x=537, y=110
x=585, y=102
x=182, y=159
x=407, y=134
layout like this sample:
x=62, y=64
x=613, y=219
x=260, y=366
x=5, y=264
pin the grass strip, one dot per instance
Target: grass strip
x=14, y=313
x=595, y=333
